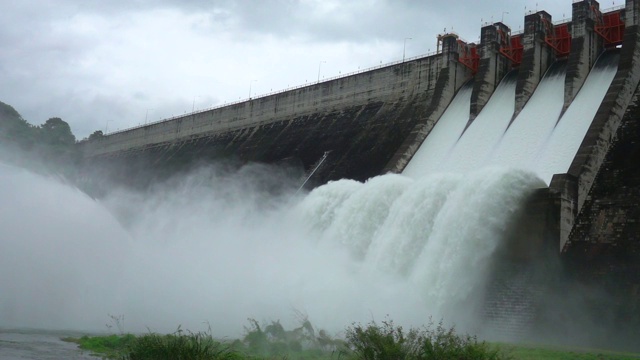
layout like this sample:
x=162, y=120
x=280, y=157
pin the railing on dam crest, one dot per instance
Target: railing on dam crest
x=277, y=92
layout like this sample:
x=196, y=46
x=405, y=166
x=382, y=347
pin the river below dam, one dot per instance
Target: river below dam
x=41, y=345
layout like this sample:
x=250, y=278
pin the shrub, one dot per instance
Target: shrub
x=272, y=340
x=178, y=346
x=110, y=346
x=387, y=341
x=443, y=343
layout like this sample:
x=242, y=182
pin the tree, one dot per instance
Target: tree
x=57, y=133
x=14, y=129
x=57, y=145
x=96, y=135
x=48, y=147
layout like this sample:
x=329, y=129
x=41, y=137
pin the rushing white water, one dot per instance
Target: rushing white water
x=561, y=147
x=442, y=137
x=528, y=132
x=210, y=248
x=477, y=142
x=537, y=140
x=215, y=247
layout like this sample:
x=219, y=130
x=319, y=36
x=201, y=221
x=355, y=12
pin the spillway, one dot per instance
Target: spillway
x=442, y=137
x=528, y=132
x=212, y=248
x=221, y=245
x=477, y=142
x=536, y=140
x=341, y=253
x=561, y=146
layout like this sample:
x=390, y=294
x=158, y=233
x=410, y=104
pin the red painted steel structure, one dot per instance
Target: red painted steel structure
x=559, y=39
x=468, y=55
x=511, y=47
x=611, y=27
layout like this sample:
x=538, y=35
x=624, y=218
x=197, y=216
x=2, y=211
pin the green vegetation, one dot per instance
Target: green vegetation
x=197, y=346
x=109, y=347
x=371, y=341
x=272, y=341
x=96, y=135
x=303, y=342
x=260, y=342
x=535, y=352
x=388, y=341
x=15, y=129
x=156, y=346
x=49, y=147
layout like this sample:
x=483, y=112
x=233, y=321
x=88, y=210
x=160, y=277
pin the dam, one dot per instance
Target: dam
x=558, y=100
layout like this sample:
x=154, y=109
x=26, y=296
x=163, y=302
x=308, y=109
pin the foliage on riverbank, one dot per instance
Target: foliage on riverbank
x=366, y=342
x=272, y=341
x=535, y=352
x=388, y=341
x=108, y=347
x=50, y=147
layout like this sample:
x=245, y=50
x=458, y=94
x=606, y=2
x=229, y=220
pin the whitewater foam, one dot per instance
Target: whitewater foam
x=443, y=136
x=346, y=252
x=216, y=247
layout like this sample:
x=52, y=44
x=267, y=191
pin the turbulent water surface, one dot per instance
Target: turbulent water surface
x=213, y=247
x=41, y=345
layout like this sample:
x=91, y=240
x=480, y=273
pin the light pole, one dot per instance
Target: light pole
x=404, y=47
x=319, y=65
x=146, y=115
x=250, y=83
x=193, y=105
x=106, y=127
x=502, y=19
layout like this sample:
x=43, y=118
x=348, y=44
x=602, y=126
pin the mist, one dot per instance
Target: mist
x=218, y=246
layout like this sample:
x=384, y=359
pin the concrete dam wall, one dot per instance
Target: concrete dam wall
x=377, y=122
x=360, y=120
x=373, y=122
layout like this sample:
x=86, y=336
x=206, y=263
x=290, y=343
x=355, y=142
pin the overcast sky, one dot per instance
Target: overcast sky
x=115, y=63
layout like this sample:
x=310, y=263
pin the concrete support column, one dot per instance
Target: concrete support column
x=632, y=13
x=586, y=45
x=602, y=133
x=451, y=77
x=564, y=197
x=448, y=44
x=537, y=57
x=493, y=66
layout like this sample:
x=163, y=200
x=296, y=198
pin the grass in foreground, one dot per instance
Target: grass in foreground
x=155, y=346
x=178, y=346
x=387, y=341
x=368, y=342
x=110, y=347
x=535, y=352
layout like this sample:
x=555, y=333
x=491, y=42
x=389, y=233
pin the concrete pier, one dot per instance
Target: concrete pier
x=385, y=109
x=601, y=136
x=586, y=45
x=451, y=77
x=536, y=59
x=373, y=122
x=493, y=65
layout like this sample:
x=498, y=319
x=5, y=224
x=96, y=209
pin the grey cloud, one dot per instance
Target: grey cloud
x=40, y=57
